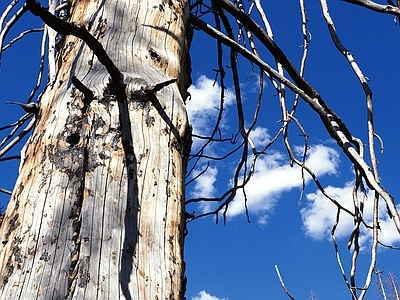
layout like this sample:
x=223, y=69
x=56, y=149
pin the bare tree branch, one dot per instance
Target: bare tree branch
x=381, y=8
x=4, y=191
x=334, y=125
x=4, y=30
x=20, y=36
x=66, y=28
x=18, y=138
x=282, y=283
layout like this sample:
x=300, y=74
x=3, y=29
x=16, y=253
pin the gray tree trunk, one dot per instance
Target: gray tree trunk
x=89, y=219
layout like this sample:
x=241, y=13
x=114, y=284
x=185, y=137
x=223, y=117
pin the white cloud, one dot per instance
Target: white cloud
x=320, y=213
x=204, y=187
x=260, y=136
x=203, y=295
x=273, y=176
x=204, y=184
x=388, y=233
x=322, y=160
x=203, y=107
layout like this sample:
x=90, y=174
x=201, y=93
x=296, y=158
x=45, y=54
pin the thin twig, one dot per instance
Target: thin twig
x=18, y=138
x=20, y=36
x=11, y=22
x=8, y=192
x=282, y=283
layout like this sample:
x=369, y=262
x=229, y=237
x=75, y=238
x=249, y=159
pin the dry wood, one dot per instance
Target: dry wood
x=89, y=219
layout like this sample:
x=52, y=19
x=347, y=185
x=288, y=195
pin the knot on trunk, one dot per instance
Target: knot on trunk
x=136, y=87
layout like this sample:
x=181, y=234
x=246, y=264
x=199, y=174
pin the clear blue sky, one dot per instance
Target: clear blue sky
x=236, y=261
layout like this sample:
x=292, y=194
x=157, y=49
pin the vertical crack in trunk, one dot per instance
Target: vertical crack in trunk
x=74, y=269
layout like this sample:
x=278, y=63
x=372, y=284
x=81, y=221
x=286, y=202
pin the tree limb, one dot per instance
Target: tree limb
x=282, y=283
x=381, y=8
x=332, y=122
x=66, y=28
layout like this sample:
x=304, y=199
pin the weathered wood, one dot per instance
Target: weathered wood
x=89, y=219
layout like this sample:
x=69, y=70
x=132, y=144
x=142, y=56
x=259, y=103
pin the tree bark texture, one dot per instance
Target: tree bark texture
x=89, y=218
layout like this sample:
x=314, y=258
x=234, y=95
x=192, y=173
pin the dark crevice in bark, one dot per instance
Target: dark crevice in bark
x=76, y=225
x=73, y=139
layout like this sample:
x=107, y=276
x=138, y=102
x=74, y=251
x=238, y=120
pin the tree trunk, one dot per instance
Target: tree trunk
x=89, y=218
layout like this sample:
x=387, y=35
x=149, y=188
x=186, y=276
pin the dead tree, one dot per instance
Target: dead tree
x=98, y=207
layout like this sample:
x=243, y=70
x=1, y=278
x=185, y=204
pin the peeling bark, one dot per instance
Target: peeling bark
x=89, y=218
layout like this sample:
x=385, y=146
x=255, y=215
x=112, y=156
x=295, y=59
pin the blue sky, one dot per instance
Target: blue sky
x=236, y=261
